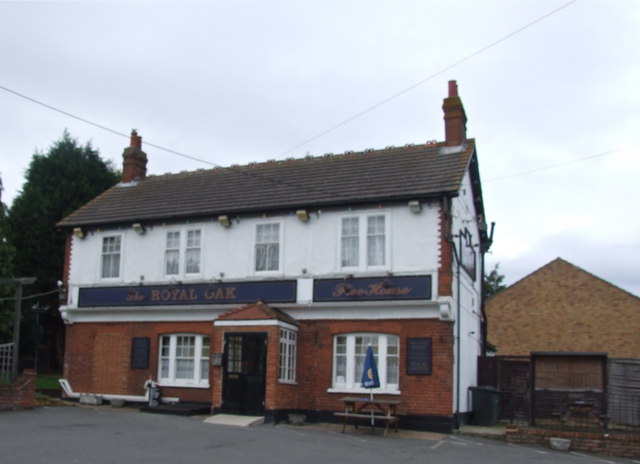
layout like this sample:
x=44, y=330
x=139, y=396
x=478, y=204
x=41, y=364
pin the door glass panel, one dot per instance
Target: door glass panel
x=234, y=356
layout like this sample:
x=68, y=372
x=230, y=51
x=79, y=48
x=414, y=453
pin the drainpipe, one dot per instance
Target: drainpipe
x=458, y=341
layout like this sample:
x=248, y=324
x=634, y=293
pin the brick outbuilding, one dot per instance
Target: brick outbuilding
x=562, y=308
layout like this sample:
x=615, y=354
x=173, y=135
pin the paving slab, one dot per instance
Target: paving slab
x=234, y=420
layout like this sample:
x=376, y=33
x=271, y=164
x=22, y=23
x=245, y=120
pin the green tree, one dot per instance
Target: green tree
x=56, y=184
x=492, y=283
x=6, y=270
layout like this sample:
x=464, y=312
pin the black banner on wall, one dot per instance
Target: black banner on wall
x=140, y=352
x=419, y=356
x=373, y=288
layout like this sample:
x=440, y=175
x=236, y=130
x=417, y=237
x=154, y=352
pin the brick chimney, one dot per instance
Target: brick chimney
x=455, y=119
x=134, y=165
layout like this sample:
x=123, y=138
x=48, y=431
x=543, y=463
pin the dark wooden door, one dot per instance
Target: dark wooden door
x=244, y=373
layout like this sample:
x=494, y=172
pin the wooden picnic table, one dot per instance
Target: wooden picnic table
x=376, y=409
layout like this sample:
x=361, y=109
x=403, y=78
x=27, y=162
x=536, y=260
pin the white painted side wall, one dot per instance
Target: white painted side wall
x=464, y=216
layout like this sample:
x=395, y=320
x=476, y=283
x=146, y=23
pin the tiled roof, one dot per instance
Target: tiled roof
x=257, y=311
x=410, y=172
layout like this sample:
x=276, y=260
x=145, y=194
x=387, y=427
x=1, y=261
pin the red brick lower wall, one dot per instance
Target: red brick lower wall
x=612, y=444
x=420, y=394
x=98, y=360
x=21, y=394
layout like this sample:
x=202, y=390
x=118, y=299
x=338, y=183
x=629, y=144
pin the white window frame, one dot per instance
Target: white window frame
x=190, y=246
x=119, y=254
x=384, y=346
x=288, y=355
x=173, y=249
x=199, y=379
x=183, y=251
x=280, y=246
x=363, y=242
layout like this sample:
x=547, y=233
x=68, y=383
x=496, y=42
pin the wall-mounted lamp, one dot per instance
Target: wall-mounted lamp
x=414, y=206
x=482, y=225
x=302, y=215
x=224, y=220
x=139, y=228
x=78, y=232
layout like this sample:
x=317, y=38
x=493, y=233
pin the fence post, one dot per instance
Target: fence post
x=16, y=331
x=18, y=283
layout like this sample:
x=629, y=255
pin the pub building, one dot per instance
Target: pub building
x=256, y=289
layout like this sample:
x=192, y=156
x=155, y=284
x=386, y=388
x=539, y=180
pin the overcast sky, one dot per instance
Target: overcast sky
x=550, y=89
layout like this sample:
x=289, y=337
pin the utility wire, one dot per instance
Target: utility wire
x=330, y=129
x=428, y=78
x=169, y=150
x=29, y=297
x=559, y=165
x=326, y=131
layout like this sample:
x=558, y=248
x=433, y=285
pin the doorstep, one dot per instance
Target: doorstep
x=235, y=420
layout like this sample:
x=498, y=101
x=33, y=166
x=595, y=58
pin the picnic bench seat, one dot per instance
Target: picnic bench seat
x=389, y=420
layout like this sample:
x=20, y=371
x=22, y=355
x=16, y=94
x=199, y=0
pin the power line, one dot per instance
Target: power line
x=326, y=131
x=30, y=297
x=160, y=147
x=559, y=165
x=427, y=79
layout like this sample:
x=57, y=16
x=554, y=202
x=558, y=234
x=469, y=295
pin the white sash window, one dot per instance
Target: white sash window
x=349, y=351
x=184, y=360
x=267, y=251
x=364, y=242
x=111, y=248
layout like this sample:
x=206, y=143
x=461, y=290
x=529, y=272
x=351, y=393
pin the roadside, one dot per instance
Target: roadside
x=105, y=434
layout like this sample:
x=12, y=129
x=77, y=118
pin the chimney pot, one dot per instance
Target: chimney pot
x=453, y=89
x=455, y=119
x=134, y=166
x=136, y=140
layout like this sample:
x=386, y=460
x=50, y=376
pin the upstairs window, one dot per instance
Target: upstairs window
x=267, y=252
x=363, y=241
x=350, y=242
x=172, y=254
x=193, y=251
x=183, y=252
x=375, y=241
x=111, y=248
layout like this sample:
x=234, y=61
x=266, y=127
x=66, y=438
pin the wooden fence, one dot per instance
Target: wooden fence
x=6, y=362
x=572, y=399
x=624, y=391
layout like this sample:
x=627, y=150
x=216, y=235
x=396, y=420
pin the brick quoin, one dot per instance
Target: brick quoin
x=445, y=271
x=66, y=269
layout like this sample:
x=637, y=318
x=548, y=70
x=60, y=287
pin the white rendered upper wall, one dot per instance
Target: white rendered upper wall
x=309, y=248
